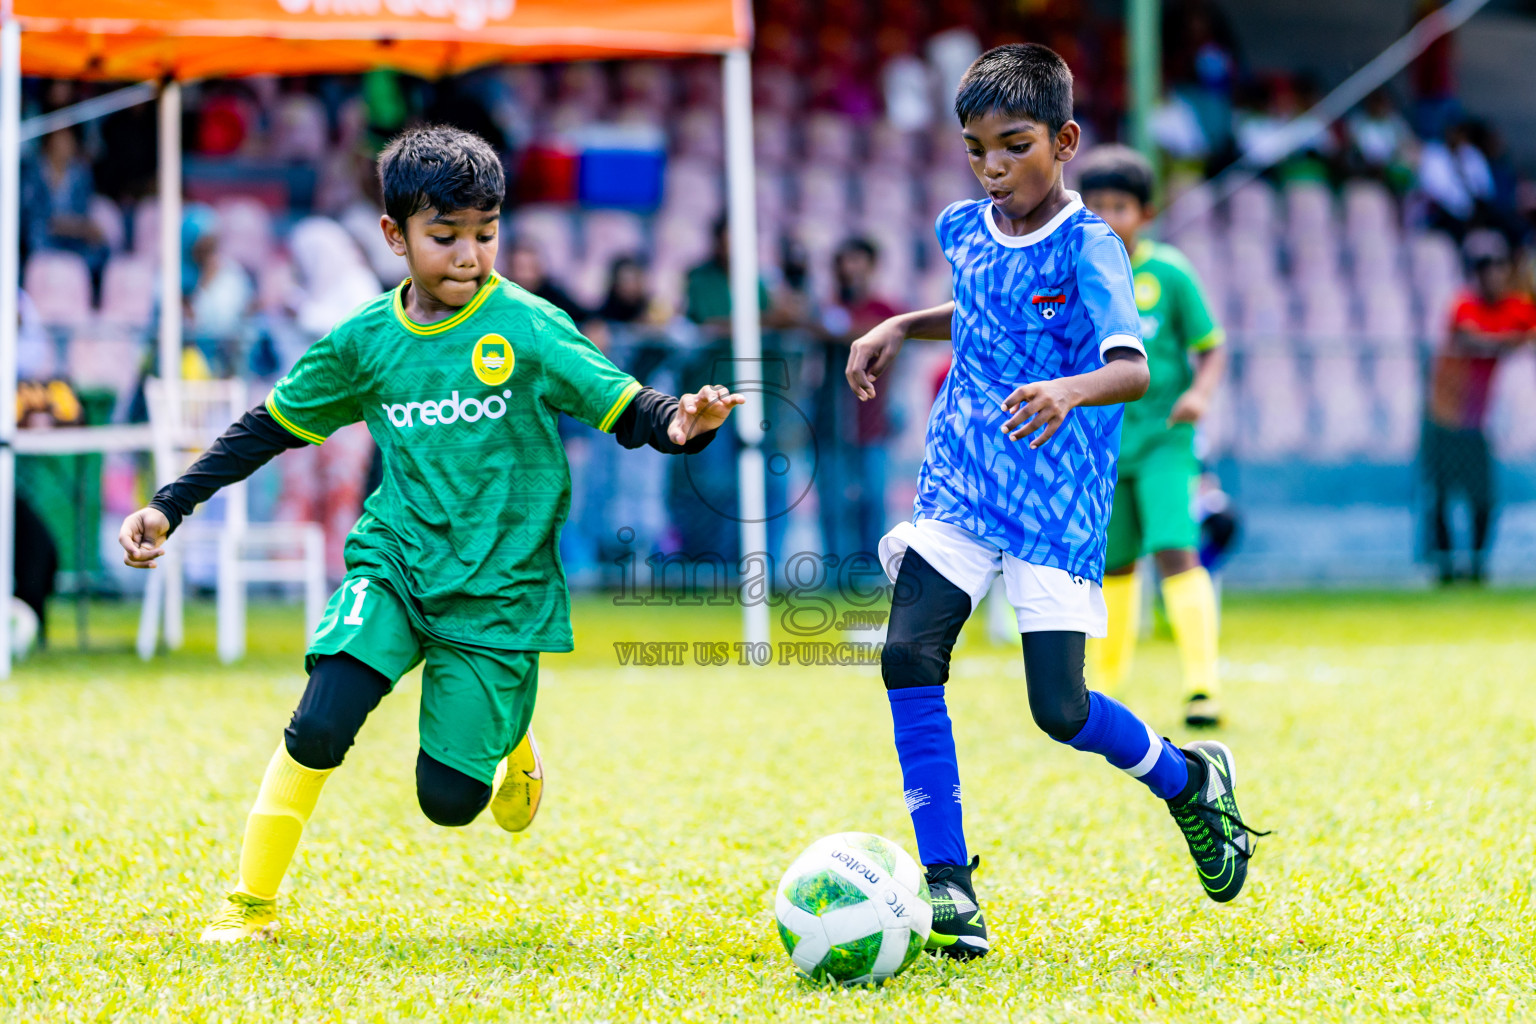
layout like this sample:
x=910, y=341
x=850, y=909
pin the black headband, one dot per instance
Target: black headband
x=1117, y=180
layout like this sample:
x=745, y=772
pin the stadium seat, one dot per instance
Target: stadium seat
x=609, y=233
x=1368, y=209
x=1252, y=209
x=144, y=238
x=694, y=185
x=699, y=134
x=1325, y=314
x=60, y=286
x=551, y=229
x=245, y=231
x=822, y=191
x=1264, y=311
x=771, y=141
x=128, y=292
x=1309, y=209
x=104, y=213
x=645, y=84
x=1399, y=389
x=831, y=139
x=246, y=552
x=301, y=133
x=893, y=147
x=887, y=194
x=104, y=356
x=1513, y=419
x=1314, y=257
x=1278, y=404
x=1387, y=317
x=679, y=241
x=1345, y=406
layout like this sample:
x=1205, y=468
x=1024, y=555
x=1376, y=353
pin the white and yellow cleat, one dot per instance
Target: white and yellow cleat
x=519, y=786
x=243, y=917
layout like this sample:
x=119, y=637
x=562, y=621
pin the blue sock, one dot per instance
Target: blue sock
x=1129, y=744
x=925, y=744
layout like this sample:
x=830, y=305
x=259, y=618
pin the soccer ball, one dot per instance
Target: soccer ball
x=854, y=908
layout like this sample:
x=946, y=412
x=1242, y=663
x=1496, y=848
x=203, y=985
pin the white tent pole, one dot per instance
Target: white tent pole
x=746, y=329
x=10, y=285
x=170, y=321
x=170, y=245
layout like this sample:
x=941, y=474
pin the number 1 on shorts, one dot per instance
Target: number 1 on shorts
x=355, y=616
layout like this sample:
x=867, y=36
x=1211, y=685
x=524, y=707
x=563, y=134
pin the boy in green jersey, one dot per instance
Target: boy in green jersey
x=460, y=376
x=1158, y=471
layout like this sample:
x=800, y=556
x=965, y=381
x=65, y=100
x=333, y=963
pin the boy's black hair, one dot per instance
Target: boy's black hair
x=441, y=168
x=1115, y=167
x=1020, y=80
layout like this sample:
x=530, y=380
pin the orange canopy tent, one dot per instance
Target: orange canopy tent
x=172, y=40
x=136, y=39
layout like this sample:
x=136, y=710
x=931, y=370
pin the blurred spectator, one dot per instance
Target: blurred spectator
x=56, y=202
x=1486, y=324
x=525, y=267
x=1381, y=145
x=852, y=435
x=1431, y=78
x=708, y=292
x=908, y=91
x=629, y=297
x=1202, y=64
x=1456, y=181
x=222, y=296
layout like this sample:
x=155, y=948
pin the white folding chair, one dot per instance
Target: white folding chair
x=246, y=552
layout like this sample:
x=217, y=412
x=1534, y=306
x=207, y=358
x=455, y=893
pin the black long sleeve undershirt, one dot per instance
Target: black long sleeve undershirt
x=253, y=440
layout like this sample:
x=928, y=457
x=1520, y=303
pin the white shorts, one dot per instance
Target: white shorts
x=1043, y=598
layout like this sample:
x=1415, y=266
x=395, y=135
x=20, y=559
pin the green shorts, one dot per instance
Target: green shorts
x=1152, y=503
x=476, y=702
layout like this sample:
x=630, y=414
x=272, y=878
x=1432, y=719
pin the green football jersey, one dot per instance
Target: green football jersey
x=466, y=525
x=1175, y=321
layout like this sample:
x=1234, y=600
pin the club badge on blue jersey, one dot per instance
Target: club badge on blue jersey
x=1047, y=302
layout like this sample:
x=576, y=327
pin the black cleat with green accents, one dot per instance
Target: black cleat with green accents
x=958, y=929
x=1218, y=840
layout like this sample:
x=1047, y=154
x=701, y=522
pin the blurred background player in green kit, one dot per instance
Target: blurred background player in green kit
x=1158, y=471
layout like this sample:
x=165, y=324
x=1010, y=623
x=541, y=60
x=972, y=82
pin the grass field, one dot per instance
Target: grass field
x=1389, y=740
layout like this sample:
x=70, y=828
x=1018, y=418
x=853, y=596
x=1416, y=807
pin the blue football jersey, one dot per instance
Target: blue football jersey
x=1029, y=308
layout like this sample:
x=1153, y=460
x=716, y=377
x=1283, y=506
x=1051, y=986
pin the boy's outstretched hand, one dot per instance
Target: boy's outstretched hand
x=871, y=356
x=698, y=413
x=143, y=537
x=1041, y=404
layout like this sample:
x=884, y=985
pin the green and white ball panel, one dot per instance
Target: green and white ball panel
x=853, y=907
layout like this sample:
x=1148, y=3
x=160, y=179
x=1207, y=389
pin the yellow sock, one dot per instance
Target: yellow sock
x=1109, y=659
x=1190, y=600
x=286, y=800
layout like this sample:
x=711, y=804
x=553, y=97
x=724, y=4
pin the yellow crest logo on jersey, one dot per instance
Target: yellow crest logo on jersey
x=1148, y=291
x=492, y=359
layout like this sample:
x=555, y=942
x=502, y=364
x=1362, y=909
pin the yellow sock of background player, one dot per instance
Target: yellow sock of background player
x=1190, y=600
x=1110, y=658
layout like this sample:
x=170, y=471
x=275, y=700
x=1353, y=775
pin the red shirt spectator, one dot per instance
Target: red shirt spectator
x=1462, y=377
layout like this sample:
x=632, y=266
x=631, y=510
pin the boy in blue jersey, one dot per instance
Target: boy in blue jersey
x=1019, y=480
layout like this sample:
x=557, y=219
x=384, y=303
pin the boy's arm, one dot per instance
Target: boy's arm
x=677, y=426
x=245, y=447
x=1045, y=403
x=873, y=354
x=1210, y=368
x=1203, y=336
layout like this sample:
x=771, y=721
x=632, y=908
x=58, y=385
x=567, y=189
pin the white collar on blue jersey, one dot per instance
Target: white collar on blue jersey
x=1040, y=234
